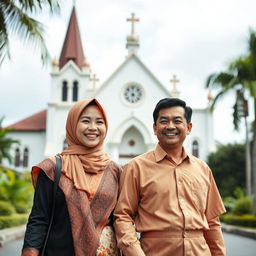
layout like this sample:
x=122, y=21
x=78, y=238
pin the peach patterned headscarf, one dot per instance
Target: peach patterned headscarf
x=77, y=158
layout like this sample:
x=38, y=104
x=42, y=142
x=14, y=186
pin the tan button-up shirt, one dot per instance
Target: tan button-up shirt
x=157, y=197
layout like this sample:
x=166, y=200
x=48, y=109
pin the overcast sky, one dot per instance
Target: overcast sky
x=189, y=38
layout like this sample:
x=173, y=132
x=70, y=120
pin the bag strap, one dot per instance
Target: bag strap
x=55, y=187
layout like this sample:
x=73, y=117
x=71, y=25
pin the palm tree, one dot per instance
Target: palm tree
x=5, y=143
x=240, y=77
x=15, y=19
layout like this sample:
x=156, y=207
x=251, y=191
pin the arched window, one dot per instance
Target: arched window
x=25, y=157
x=64, y=91
x=75, y=91
x=65, y=144
x=17, y=157
x=195, y=148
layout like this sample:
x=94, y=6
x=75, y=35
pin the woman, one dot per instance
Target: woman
x=86, y=195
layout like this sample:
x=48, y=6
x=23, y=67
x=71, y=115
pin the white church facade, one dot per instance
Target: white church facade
x=129, y=96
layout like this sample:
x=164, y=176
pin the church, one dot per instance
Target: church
x=129, y=96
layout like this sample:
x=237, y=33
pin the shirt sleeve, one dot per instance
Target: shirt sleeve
x=214, y=238
x=39, y=217
x=125, y=212
x=214, y=206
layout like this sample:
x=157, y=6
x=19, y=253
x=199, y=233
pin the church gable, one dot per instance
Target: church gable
x=132, y=70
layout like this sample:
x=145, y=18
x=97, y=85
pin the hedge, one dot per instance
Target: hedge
x=243, y=220
x=6, y=208
x=13, y=220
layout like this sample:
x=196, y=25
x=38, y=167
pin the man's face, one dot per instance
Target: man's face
x=171, y=127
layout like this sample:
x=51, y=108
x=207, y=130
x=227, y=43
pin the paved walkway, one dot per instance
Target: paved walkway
x=10, y=234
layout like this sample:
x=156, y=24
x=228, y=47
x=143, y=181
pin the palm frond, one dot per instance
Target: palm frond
x=215, y=100
x=5, y=143
x=36, y=5
x=209, y=79
x=4, y=41
x=27, y=28
x=251, y=86
x=224, y=80
x=252, y=42
x=14, y=19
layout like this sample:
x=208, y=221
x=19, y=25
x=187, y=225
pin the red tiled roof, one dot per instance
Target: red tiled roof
x=72, y=48
x=36, y=122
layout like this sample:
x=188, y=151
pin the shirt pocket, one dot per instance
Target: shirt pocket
x=199, y=194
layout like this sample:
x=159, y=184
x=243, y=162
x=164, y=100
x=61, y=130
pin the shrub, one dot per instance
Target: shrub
x=6, y=208
x=13, y=220
x=229, y=203
x=21, y=207
x=243, y=206
x=244, y=220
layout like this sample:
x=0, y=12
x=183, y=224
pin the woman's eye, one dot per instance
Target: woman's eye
x=85, y=121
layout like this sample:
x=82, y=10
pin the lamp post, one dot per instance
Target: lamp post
x=242, y=109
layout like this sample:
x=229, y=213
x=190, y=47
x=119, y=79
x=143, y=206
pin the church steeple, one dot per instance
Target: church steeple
x=72, y=48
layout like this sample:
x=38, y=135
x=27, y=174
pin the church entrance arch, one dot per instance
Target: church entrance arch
x=132, y=145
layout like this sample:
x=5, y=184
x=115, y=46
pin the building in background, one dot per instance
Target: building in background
x=129, y=96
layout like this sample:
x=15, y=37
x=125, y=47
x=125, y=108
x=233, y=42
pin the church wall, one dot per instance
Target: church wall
x=56, y=128
x=34, y=141
x=118, y=109
x=200, y=132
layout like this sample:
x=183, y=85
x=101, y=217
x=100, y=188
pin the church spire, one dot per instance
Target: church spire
x=72, y=48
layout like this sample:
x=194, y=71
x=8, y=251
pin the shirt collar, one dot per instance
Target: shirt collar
x=160, y=154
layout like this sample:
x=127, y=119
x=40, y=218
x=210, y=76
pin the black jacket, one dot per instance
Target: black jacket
x=60, y=240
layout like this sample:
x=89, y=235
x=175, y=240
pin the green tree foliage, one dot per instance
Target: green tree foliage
x=15, y=190
x=240, y=76
x=16, y=17
x=5, y=143
x=227, y=165
x=243, y=206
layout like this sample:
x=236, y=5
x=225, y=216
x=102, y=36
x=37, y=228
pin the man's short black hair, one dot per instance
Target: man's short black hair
x=172, y=102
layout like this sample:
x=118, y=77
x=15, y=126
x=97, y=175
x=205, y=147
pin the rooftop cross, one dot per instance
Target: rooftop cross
x=133, y=20
x=174, y=80
x=94, y=79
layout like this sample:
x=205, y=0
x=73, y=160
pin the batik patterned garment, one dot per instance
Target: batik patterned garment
x=108, y=245
x=87, y=217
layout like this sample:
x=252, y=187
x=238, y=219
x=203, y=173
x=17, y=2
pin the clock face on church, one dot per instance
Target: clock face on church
x=133, y=93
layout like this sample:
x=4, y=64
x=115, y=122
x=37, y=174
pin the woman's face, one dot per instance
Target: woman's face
x=91, y=128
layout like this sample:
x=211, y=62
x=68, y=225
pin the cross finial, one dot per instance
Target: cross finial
x=94, y=79
x=174, y=80
x=133, y=20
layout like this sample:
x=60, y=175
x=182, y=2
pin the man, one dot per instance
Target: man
x=169, y=196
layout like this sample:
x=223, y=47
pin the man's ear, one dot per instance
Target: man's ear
x=189, y=126
x=154, y=128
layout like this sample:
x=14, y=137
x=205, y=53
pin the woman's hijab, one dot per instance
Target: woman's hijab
x=77, y=158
